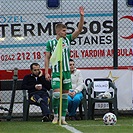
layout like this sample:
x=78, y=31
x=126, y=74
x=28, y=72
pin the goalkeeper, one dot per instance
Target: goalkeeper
x=61, y=30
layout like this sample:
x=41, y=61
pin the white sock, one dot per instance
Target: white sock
x=63, y=118
x=56, y=116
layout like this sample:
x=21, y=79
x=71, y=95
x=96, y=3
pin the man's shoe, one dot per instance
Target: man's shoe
x=55, y=121
x=63, y=122
x=45, y=119
x=77, y=117
x=72, y=118
x=50, y=118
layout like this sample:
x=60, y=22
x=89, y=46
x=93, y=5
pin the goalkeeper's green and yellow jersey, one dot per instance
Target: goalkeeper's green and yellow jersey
x=50, y=47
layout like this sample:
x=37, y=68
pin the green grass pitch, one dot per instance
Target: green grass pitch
x=123, y=125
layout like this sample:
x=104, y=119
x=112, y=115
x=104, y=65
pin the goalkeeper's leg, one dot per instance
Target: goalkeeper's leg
x=64, y=107
x=55, y=102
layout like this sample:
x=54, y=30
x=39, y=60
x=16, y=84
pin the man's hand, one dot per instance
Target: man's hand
x=80, y=25
x=81, y=10
x=41, y=73
x=38, y=86
x=47, y=76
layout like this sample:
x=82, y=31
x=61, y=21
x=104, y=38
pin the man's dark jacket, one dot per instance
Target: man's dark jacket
x=30, y=81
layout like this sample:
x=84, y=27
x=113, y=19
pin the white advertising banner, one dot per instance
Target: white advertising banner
x=27, y=25
x=123, y=82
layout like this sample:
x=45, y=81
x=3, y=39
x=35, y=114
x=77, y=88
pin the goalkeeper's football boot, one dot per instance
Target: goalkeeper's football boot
x=55, y=121
x=63, y=122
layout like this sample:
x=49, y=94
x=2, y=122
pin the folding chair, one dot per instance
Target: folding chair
x=97, y=87
x=27, y=102
x=83, y=104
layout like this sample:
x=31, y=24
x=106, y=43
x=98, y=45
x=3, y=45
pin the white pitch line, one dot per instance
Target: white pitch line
x=99, y=125
x=71, y=129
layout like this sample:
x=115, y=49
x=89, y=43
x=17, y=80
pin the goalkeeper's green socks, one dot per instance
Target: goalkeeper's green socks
x=64, y=104
x=55, y=103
